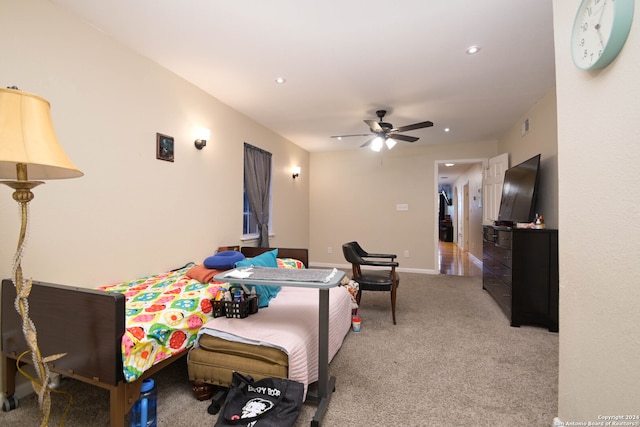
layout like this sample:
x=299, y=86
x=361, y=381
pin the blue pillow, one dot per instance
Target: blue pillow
x=267, y=259
x=223, y=260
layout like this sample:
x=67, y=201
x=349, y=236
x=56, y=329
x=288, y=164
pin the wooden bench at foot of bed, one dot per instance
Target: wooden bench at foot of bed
x=215, y=360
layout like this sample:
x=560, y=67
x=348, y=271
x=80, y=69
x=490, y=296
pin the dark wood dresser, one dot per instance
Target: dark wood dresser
x=520, y=271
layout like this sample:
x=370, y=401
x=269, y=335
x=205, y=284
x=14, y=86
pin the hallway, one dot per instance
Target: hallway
x=455, y=262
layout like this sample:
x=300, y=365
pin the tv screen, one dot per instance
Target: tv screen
x=519, y=192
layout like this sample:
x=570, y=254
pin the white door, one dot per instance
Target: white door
x=492, y=181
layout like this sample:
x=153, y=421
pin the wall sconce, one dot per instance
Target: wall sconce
x=295, y=171
x=202, y=137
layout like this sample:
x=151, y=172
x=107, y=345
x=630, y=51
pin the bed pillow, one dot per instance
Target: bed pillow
x=223, y=260
x=267, y=259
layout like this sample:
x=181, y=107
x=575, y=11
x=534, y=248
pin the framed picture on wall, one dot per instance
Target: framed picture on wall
x=164, y=147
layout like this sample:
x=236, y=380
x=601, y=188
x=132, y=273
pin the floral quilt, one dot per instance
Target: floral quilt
x=163, y=315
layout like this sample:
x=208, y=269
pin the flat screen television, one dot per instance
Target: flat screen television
x=519, y=192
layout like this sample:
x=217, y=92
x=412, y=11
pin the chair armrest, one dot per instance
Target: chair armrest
x=381, y=256
x=380, y=263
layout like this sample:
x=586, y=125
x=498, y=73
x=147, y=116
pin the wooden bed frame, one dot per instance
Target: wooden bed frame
x=88, y=325
x=299, y=254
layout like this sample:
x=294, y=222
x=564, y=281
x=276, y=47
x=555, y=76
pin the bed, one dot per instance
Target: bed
x=278, y=341
x=103, y=347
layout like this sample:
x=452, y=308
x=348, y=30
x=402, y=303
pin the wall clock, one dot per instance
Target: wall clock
x=599, y=31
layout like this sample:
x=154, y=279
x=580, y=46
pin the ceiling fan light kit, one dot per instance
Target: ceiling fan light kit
x=385, y=133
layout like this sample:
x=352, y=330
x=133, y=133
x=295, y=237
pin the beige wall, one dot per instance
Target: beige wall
x=108, y=103
x=354, y=193
x=131, y=214
x=354, y=196
x=542, y=139
x=599, y=217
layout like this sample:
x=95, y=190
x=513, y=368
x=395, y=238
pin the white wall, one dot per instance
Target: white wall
x=131, y=214
x=599, y=223
x=354, y=193
x=354, y=196
x=108, y=103
x=542, y=139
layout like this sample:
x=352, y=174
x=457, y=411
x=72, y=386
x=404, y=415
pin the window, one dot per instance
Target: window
x=256, y=211
x=249, y=223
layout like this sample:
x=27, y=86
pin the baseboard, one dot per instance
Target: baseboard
x=475, y=260
x=348, y=267
x=24, y=387
x=416, y=270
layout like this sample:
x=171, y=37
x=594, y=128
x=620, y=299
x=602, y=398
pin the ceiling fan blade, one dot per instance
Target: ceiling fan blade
x=405, y=138
x=345, y=136
x=369, y=141
x=413, y=126
x=373, y=125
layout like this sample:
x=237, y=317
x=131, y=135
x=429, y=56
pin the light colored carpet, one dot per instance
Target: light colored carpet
x=452, y=360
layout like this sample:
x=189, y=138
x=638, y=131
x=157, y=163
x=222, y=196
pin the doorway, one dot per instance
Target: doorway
x=454, y=261
x=460, y=178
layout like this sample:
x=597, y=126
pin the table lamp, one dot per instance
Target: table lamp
x=29, y=150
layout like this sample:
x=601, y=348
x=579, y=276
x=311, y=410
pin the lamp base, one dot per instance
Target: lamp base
x=23, y=196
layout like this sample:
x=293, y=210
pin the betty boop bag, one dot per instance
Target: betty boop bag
x=270, y=402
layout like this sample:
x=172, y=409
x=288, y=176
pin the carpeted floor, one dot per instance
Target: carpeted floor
x=452, y=360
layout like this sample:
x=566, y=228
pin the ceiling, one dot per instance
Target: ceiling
x=448, y=175
x=343, y=60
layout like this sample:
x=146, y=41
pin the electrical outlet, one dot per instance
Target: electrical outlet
x=329, y=250
x=406, y=253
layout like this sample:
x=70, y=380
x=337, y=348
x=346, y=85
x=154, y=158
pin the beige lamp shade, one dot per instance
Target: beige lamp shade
x=27, y=136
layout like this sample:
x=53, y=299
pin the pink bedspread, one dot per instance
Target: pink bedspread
x=291, y=323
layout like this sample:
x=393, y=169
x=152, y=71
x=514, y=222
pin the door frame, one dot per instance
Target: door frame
x=436, y=224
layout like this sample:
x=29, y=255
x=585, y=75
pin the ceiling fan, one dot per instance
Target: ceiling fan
x=385, y=133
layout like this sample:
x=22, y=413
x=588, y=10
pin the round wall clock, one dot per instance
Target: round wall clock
x=599, y=31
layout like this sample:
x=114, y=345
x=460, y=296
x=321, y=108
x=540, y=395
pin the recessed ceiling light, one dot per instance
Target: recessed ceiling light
x=447, y=129
x=449, y=164
x=473, y=49
x=281, y=80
